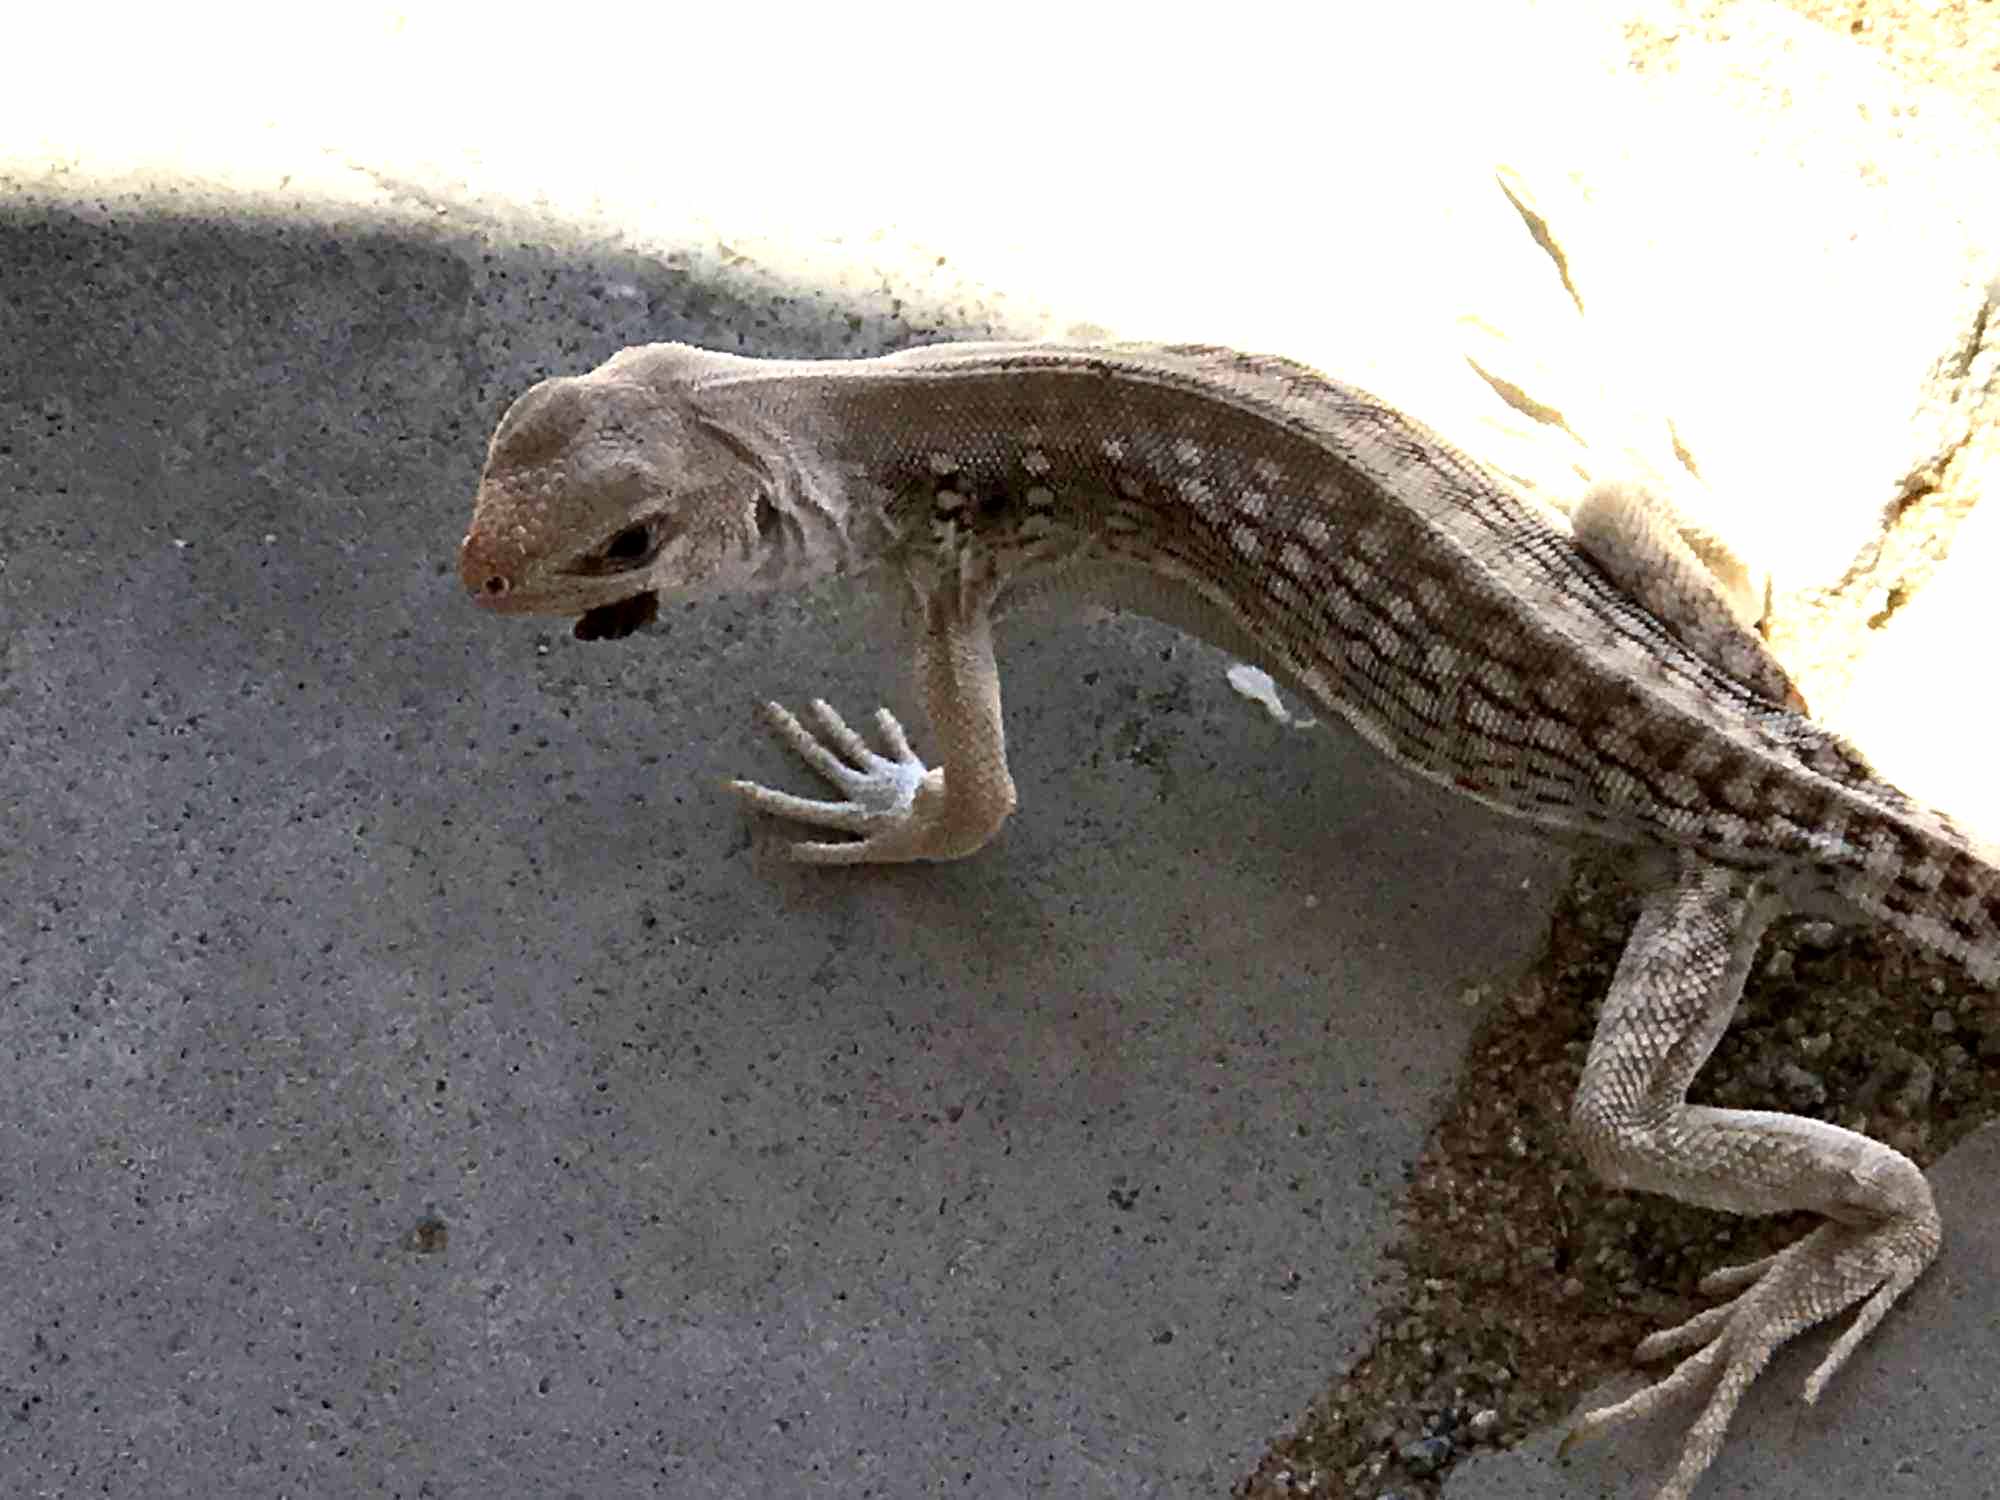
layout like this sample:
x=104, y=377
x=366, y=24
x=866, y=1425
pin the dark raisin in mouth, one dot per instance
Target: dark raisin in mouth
x=613, y=622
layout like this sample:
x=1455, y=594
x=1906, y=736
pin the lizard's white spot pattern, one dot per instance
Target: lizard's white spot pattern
x=943, y=464
x=1036, y=462
x=1315, y=531
x=1490, y=675
x=1884, y=853
x=1623, y=787
x=1704, y=767
x=1245, y=541
x=1130, y=486
x=1267, y=470
x=1739, y=791
x=1197, y=493
x=1616, y=741
x=1680, y=788
x=1253, y=503
x=1188, y=451
x=1295, y=560
x=949, y=500
x=1113, y=448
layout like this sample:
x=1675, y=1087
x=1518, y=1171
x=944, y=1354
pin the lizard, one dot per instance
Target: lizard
x=1596, y=681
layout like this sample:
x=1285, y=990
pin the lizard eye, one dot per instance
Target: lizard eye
x=628, y=545
x=631, y=547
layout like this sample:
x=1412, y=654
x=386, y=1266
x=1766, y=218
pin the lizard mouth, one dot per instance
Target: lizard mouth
x=613, y=622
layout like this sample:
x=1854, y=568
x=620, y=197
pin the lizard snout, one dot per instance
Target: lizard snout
x=487, y=576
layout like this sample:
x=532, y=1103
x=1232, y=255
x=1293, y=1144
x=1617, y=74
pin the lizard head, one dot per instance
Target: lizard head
x=602, y=492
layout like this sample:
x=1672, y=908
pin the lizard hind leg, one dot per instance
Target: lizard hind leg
x=1676, y=988
x=1706, y=596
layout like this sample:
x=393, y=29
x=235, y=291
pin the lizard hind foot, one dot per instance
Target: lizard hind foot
x=1828, y=1271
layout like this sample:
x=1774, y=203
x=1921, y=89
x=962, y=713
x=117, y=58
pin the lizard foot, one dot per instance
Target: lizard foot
x=1831, y=1269
x=890, y=800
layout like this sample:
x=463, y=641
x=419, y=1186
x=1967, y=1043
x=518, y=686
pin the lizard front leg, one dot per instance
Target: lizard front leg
x=902, y=809
x=1676, y=988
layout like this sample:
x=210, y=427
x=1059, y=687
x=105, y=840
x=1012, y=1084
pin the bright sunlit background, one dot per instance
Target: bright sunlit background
x=1318, y=180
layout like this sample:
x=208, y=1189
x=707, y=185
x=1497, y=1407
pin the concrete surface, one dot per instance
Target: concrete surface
x=425, y=1083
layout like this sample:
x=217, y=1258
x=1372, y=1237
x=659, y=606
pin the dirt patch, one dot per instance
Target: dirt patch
x=1526, y=1283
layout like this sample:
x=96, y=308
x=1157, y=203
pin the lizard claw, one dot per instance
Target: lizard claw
x=886, y=799
x=1829, y=1270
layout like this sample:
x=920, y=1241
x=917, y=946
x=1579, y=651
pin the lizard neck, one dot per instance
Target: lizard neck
x=1249, y=500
